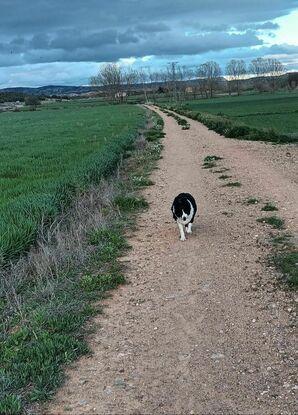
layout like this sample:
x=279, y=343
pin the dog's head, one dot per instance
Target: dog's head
x=181, y=208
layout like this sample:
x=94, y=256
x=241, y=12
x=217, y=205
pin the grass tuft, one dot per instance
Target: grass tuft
x=274, y=221
x=10, y=404
x=222, y=170
x=232, y=184
x=101, y=282
x=224, y=177
x=209, y=164
x=207, y=159
x=141, y=181
x=284, y=240
x=252, y=201
x=287, y=264
x=130, y=203
x=269, y=207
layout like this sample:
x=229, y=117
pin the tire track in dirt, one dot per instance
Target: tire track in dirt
x=200, y=328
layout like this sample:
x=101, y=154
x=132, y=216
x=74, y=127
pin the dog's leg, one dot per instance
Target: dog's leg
x=188, y=227
x=182, y=235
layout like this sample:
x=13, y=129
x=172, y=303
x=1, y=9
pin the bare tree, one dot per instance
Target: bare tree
x=143, y=79
x=110, y=78
x=267, y=72
x=129, y=78
x=164, y=78
x=189, y=75
x=154, y=78
x=173, y=78
x=257, y=68
x=202, y=80
x=208, y=76
x=274, y=69
x=184, y=74
x=235, y=69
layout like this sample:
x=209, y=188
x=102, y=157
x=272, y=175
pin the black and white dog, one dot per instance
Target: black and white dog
x=184, y=209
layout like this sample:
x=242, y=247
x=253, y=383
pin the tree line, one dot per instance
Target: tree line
x=118, y=82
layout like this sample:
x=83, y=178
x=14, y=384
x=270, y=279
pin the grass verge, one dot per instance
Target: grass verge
x=47, y=296
x=232, y=129
x=180, y=121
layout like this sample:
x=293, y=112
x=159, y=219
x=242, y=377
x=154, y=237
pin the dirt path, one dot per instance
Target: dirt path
x=200, y=329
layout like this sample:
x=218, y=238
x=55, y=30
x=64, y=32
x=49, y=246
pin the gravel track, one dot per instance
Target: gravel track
x=201, y=328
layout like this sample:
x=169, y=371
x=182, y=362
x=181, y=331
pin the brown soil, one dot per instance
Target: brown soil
x=201, y=328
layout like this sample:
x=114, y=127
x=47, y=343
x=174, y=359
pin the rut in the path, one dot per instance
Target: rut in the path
x=199, y=329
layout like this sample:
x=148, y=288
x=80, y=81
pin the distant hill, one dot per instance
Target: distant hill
x=51, y=90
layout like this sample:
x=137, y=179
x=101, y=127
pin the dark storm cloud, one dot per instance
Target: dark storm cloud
x=71, y=47
x=152, y=27
x=34, y=31
x=258, y=26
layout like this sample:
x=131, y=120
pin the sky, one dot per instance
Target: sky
x=64, y=42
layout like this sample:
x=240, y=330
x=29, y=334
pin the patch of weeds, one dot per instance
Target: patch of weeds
x=211, y=158
x=274, y=221
x=232, y=184
x=101, y=282
x=269, y=207
x=110, y=241
x=130, y=203
x=209, y=161
x=224, y=177
x=228, y=214
x=209, y=164
x=287, y=264
x=186, y=127
x=154, y=135
x=142, y=181
x=31, y=359
x=180, y=121
x=10, y=404
x=252, y=201
x=222, y=170
x=282, y=240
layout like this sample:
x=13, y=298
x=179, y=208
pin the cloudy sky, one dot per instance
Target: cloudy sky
x=63, y=42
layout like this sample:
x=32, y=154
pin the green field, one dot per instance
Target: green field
x=277, y=111
x=49, y=154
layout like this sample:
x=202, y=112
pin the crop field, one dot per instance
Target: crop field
x=49, y=154
x=275, y=111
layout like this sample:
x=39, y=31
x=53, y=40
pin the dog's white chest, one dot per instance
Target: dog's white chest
x=185, y=219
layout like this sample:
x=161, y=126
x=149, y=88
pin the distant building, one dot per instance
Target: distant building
x=189, y=90
x=121, y=94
